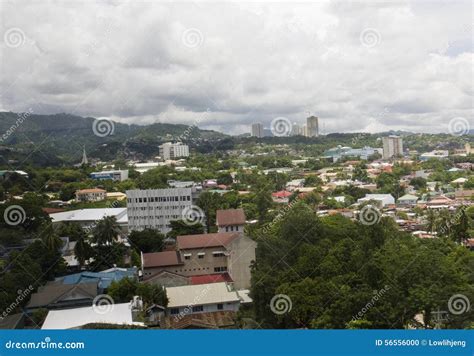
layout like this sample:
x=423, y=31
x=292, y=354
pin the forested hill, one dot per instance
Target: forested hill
x=56, y=139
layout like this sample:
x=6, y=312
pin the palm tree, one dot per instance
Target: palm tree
x=106, y=231
x=444, y=223
x=82, y=250
x=51, y=238
x=431, y=219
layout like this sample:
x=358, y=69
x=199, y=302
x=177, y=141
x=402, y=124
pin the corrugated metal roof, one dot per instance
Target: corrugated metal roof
x=201, y=294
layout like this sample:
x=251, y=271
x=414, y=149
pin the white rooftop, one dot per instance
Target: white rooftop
x=90, y=215
x=120, y=314
x=200, y=294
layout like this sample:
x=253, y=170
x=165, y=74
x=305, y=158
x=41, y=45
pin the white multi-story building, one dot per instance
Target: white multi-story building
x=257, y=130
x=155, y=208
x=392, y=146
x=170, y=150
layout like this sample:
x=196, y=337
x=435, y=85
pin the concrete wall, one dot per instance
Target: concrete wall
x=240, y=259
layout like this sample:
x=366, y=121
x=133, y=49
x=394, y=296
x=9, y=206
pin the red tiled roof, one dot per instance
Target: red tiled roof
x=161, y=259
x=53, y=210
x=281, y=194
x=230, y=217
x=205, y=240
x=211, y=278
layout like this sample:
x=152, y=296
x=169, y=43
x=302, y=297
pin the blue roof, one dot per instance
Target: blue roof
x=104, y=279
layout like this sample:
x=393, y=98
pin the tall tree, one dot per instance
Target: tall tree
x=106, y=231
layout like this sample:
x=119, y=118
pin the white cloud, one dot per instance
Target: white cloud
x=250, y=62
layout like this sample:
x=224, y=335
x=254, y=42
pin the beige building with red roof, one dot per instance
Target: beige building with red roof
x=230, y=220
x=204, y=254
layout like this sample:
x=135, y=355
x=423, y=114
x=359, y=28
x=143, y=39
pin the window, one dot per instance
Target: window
x=220, y=306
x=187, y=256
x=198, y=308
x=218, y=254
x=174, y=311
x=220, y=269
x=201, y=255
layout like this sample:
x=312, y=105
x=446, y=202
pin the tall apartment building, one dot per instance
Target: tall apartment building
x=298, y=130
x=392, y=146
x=155, y=208
x=170, y=150
x=257, y=130
x=312, y=126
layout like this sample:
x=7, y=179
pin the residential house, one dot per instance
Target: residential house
x=103, y=279
x=202, y=298
x=281, y=197
x=408, y=199
x=90, y=195
x=230, y=220
x=63, y=296
x=381, y=199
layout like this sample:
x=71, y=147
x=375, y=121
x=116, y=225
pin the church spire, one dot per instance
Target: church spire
x=84, y=156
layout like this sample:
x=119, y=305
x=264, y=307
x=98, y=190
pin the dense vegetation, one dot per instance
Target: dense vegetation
x=331, y=268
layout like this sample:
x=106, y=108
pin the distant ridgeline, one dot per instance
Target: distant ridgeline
x=58, y=139
x=55, y=140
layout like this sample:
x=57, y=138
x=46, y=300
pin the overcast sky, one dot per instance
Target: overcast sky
x=365, y=66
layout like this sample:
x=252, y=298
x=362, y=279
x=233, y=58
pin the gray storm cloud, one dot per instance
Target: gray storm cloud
x=365, y=66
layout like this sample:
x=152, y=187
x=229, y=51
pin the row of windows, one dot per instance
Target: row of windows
x=154, y=217
x=151, y=208
x=231, y=228
x=187, y=256
x=159, y=199
x=191, y=270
